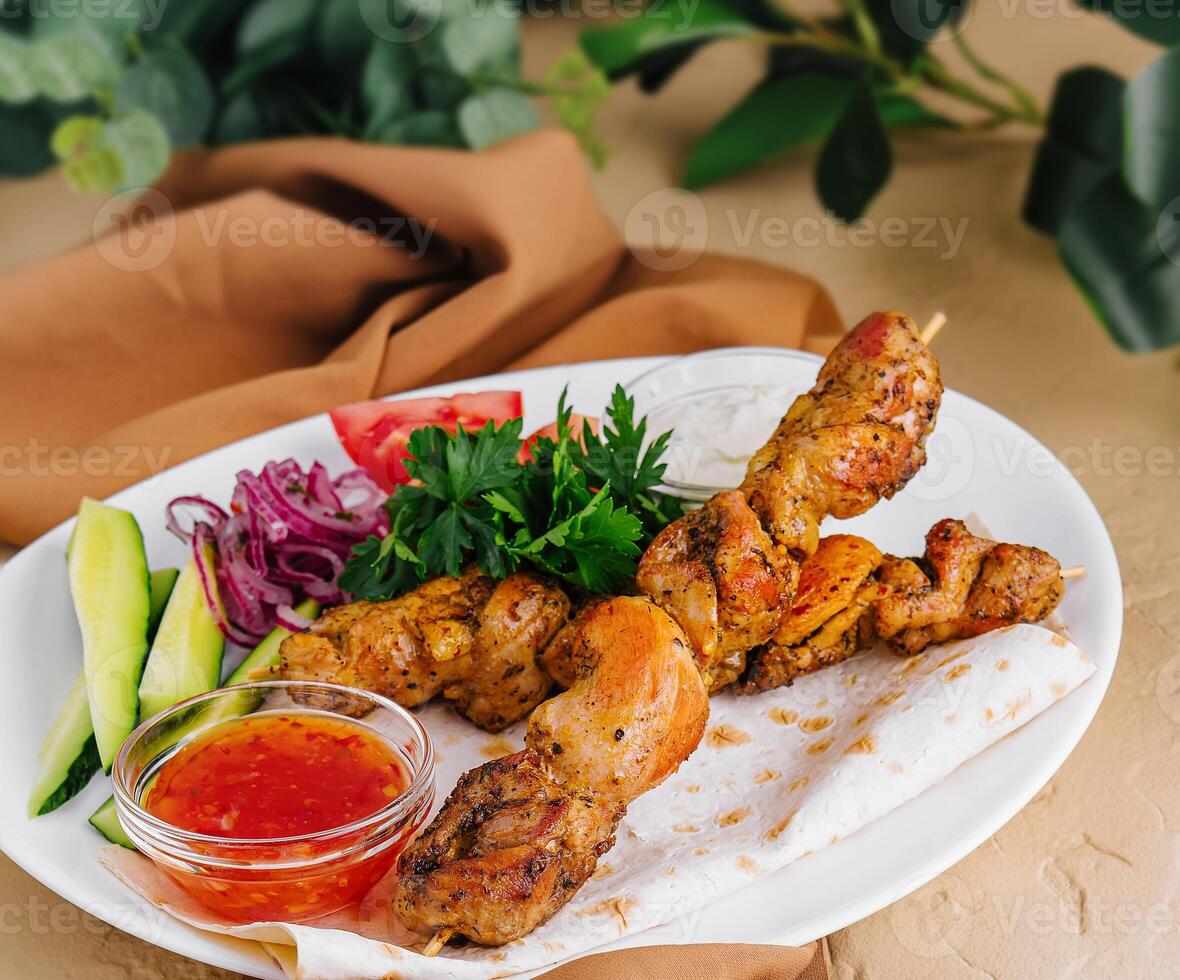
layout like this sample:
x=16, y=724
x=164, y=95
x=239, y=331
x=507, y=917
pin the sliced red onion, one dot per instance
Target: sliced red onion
x=285, y=538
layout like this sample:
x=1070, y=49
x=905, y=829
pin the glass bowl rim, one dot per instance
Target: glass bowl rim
x=405, y=804
x=702, y=491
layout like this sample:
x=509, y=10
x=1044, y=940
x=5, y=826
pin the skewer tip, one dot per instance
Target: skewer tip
x=1074, y=571
x=930, y=331
x=437, y=942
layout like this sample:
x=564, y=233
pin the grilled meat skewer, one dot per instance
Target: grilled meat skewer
x=858, y=435
x=474, y=641
x=519, y=835
x=851, y=595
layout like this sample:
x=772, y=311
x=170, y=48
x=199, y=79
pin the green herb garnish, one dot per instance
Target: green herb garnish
x=582, y=507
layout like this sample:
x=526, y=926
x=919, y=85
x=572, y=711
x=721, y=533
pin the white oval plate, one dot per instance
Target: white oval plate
x=979, y=463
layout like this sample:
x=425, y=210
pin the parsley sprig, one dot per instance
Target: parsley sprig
x=581, y=507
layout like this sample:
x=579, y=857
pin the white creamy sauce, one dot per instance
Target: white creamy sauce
x=715, y=434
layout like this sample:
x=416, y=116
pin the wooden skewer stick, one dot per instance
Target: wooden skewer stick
x=930, y=331
x=437, y=942
x=1074, y=571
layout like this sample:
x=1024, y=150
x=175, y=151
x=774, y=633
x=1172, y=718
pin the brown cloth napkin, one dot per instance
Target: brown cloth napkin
x=258, y=285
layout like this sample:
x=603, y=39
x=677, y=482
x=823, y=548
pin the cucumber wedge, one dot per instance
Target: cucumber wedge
x=259, y=663
x=106, y=821
x=109, y=583
x=161, y=583
x=68, y=756
x=185, y=658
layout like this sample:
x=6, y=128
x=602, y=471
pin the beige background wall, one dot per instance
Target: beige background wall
x=1083, y=882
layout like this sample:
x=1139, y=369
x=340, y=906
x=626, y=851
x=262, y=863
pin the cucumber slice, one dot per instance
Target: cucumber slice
x=106, y=821
x=68, y=756
x=109, y=582
x=161, y=583
x=257, y=665
x=185, y=658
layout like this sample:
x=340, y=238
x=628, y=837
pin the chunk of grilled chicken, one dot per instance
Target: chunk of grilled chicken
x=510, y=847
x=821, y=626
x=471, y=639
x=964, y=586
x=636, y=710
x=718, y=574
x=521, y=834
x=850, y=596
x=858, y=435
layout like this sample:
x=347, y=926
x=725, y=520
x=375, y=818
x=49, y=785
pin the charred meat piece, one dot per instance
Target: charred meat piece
x=471, y=639
x=717, y=573
x=520, y=835
x=858, y=435
x=964, y=586
x=509, y=848
x=823, y=624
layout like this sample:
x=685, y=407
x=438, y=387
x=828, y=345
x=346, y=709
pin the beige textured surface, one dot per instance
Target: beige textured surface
x=1083, y=882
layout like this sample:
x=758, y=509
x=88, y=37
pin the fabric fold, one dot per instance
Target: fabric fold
x=266, y=282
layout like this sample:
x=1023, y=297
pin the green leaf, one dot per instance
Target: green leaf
x=75, y=135
x=494, y=115
x=169, y=83
x=478, y=41
x=140, y=142
x=87, y=165
x=428, y=128
x=1158, y=22
x=655, y=70
x=777, y=116
x=1125, y=257
x=788, y=112
x=196, y=23
x=1151, y=147
x=25, y=131
x=16, y=84
x=343, y=36
x=113, y=20
x=385, y=85
x=67, y=67
x=660, y=27
x=897, y=110
x=1083, y=143
x=856, y=160
x=241, y=121
x=441, y=88
x=271, y=33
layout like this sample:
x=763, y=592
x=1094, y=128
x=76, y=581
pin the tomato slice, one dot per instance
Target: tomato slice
x=375, y=433
x=550, y=432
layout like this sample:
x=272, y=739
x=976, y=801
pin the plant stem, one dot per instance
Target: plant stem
x=864, y=25
x=1018, y=92
x=927, y=71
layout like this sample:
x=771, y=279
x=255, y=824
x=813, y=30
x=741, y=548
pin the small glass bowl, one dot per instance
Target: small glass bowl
x=724, y=376
x=284, y=879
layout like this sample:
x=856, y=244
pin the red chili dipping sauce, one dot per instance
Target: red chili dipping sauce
x=274, y=776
